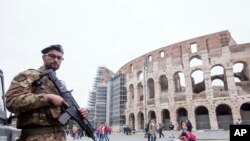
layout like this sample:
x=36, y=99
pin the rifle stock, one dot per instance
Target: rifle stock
x=72, y=110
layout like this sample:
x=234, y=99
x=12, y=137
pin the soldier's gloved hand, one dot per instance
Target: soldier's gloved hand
x=84, y=112
x=55, y=100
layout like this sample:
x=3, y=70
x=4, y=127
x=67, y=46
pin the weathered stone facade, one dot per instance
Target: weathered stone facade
x=206, y=105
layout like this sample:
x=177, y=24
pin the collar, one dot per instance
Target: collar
x=42, y=69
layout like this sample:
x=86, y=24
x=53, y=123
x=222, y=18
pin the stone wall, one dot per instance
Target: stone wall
x=217, y=49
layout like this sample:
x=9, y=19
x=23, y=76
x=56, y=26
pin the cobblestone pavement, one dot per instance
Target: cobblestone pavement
x=201, y=136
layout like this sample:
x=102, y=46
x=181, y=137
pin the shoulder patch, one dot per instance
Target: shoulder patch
x=21, y=78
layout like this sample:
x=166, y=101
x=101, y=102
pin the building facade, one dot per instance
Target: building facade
x=204, y=79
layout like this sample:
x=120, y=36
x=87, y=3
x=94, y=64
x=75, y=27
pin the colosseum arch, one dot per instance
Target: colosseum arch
x=224, y=116
x=140, y=119
x=179, y=82
x=131, y=92
x=202, y=118
x=245, y=113
x=131, y=120
x=151, y=88
x=140, y=91
x=241, y=71
x=152, y=115
x=195, y=61
x=198, y=81
x=165, y=118
x=218, y=73
x=139, y=75
x=163, y=83
x=182, y=115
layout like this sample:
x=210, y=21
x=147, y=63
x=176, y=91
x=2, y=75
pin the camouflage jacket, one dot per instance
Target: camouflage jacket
x=28, y=101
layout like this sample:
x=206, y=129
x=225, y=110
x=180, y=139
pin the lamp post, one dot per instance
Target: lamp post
x=145, y=92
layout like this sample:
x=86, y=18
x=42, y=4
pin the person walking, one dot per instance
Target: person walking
x=102, y=132
x=106, y=131
x=74, y=132
x=147, y=134
x=160, y=129
x=153, y=130
x=79, y=133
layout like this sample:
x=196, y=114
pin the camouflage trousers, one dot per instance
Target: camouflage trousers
x=59, y=136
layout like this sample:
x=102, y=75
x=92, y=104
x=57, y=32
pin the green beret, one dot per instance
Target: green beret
x=53, y=47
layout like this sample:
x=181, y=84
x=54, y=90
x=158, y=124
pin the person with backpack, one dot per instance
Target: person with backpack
x=189, y=126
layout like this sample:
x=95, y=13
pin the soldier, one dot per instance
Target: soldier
x=38, y=107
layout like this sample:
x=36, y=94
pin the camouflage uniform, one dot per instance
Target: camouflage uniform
x=35, y=116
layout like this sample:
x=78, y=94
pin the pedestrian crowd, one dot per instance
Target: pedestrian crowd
x=125, y=129
x=185, y=127
x=102, y=132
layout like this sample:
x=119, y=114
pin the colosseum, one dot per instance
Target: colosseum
x=204, y=79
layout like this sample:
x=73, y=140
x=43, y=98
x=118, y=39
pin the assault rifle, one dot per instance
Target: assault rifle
x=72, y=110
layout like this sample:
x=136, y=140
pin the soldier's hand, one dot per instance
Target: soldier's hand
x=56, y=100
x=84, y=112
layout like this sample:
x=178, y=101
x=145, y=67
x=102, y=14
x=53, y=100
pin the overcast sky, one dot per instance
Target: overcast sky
x=107, y=32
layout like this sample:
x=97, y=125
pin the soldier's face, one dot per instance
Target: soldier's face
x=53, y=59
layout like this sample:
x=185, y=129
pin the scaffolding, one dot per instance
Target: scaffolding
x=98, y=97
x=118, y=98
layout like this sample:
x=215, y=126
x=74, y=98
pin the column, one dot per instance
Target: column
x=213, y=119
x=157, y=93
x=136, y=120
x=208, y=84
x=230, y=82
x=158, y=115
x=191, y=116
x=173, y=118
x=189, y=89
